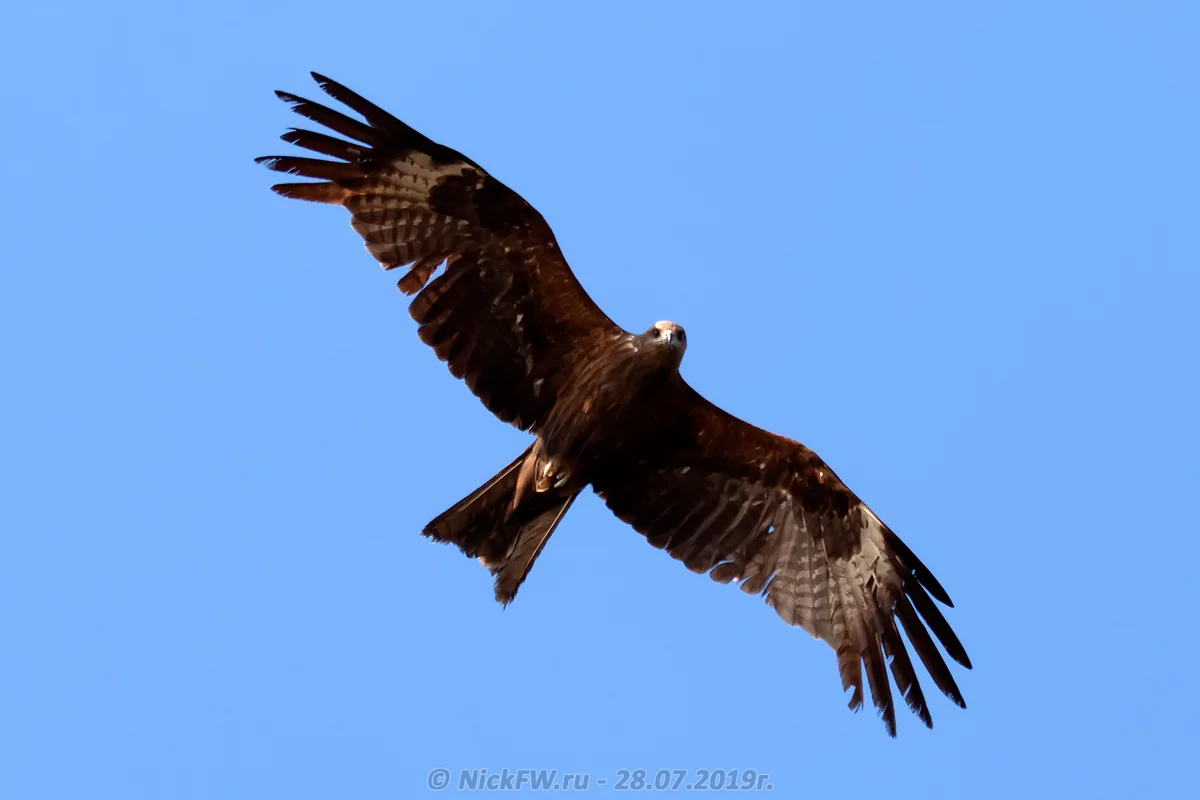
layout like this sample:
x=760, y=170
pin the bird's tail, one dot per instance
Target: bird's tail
x=505, y=539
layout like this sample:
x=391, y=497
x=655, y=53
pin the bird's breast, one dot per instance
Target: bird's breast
x=609, y=406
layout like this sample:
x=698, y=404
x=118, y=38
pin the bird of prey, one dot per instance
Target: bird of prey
x=493, y=295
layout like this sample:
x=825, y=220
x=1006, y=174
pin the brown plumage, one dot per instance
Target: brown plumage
x=610, y=410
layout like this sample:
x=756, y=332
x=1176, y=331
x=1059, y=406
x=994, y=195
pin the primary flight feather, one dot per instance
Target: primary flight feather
x=495, y=299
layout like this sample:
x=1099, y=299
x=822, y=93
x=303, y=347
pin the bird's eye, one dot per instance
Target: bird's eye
x=655, y=332
x=682, y=336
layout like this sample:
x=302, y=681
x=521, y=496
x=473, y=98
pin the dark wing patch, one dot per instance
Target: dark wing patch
x=749, y=506
x=507, y=314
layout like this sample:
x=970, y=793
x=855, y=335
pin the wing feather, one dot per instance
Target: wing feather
x=334, y=120
x=903, y=672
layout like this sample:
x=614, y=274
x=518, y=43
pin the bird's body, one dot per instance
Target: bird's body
x=495, y=299
x=613, y=404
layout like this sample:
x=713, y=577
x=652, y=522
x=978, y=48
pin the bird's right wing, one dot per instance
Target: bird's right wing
x=746, y=505
x=507, y=314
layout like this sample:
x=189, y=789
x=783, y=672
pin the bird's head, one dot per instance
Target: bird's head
x=667, y=338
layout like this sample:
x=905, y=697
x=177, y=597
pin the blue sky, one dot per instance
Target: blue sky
x=952, y=247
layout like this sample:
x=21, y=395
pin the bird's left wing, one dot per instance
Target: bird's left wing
x=746, y=505
x=507, y=314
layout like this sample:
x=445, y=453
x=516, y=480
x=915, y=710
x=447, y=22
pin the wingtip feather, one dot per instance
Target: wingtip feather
x=312, y=192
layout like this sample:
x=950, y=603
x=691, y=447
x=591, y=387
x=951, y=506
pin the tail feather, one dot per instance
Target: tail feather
x=475, y=523
x=506, y=540
x=512, y=571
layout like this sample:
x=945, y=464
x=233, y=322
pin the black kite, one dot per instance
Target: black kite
x=609, y=409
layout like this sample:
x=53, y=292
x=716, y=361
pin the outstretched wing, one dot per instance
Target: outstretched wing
x=745, y=505
x=507, y=314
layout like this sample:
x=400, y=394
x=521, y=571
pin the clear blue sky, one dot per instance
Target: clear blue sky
x=953, y=247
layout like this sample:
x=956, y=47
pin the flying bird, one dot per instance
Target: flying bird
x=493, y=295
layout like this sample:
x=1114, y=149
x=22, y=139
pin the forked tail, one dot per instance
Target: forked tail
x=505, y=540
